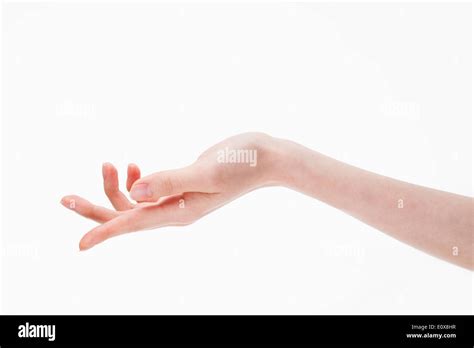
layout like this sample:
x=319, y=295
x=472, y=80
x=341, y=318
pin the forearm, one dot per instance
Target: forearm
x=436, y=222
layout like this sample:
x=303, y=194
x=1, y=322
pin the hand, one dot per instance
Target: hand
x=179, y=197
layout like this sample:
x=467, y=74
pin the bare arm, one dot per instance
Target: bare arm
x=437, y=222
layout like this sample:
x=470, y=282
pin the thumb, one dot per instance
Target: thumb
x=150, y=188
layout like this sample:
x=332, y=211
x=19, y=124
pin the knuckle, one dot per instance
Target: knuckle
x=166, y=185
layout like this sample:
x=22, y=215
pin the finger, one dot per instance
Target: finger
x=119, y=225
x=175, y=210
x=134, y=220
x=170, y=182
x=87, y=209
x=111, y=188
x=133, y=174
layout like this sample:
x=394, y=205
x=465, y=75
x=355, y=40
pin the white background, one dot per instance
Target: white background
x=386, y=87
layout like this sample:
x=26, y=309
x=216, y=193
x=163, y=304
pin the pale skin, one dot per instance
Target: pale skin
x=437, y=222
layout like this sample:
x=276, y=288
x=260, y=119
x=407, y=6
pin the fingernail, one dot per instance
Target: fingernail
x=141, y=192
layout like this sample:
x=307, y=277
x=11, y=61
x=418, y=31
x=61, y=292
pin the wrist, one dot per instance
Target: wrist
x=296, y=166
x=283, y=160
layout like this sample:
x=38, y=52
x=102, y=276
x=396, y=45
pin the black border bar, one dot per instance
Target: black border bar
x=452, y=331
